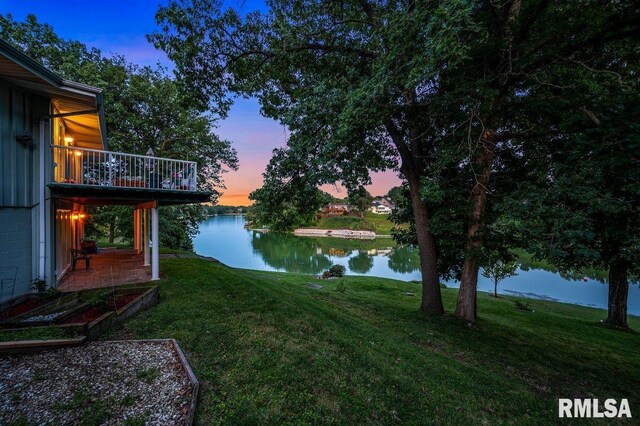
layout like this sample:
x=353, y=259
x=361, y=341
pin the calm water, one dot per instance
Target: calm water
x=224, y=238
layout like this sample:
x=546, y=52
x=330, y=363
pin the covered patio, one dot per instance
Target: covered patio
x=109, y=267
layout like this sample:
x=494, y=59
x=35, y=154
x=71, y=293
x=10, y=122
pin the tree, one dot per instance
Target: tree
x=286, y=200
x=497, y=269
x=527, y=46
x=360, y=199
x=585, y=208
x=395, y=195
x=435, y=90
x=350, y=80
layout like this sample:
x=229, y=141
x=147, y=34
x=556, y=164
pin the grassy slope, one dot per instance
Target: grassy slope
x=379, y=223
x=269, y=349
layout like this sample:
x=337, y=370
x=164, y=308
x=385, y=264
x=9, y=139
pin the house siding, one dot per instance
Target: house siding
x=15, y=246
x=20, y=195
x=18, y=159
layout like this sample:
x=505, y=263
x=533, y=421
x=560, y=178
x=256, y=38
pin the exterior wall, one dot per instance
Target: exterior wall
x=18, y=159
x=15, y=246
x=20, y=192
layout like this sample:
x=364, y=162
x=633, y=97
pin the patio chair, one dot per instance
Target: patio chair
x=7, y=282
x=79, y=255
x=90, y=246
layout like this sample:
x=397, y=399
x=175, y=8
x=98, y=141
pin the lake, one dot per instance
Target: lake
x=226, y=239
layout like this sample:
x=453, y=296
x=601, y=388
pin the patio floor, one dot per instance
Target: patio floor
x=110, y=267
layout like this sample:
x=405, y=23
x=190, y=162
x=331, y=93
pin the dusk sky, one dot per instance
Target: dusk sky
x=120, y=26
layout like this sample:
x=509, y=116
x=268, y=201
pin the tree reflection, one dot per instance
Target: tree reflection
x=404, y=260
x=290, y=253
x=361, y=263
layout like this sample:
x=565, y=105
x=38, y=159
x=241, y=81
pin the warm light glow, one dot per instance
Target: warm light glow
x=75, y=216
x=78, y=153
x=82, y=215
x=68, y=140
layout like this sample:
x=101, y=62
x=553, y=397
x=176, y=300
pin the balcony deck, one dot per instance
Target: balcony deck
x=92, y=176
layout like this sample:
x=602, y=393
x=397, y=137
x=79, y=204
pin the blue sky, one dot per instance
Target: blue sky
x=121, y=26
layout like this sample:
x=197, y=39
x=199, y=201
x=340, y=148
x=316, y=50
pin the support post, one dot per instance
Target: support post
x=155, y=261
x=136, y=231
x=145, y=237
x=140, y=235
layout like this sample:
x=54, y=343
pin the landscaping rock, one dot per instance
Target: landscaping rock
x=98, y=383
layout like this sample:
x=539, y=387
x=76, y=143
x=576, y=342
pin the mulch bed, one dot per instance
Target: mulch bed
x=88, y=316
x=93, y=313
x=123, y=300
x=21, y=308
x=98, y=383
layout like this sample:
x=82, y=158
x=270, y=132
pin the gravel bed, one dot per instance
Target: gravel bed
x=48, y=317
x=132, y=382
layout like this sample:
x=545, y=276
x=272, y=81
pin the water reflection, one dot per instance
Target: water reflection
x=361, y=263
x=290, y=253
x=404, y=260
x=224, y=238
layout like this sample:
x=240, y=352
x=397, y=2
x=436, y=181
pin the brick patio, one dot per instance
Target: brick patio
x=110, y=267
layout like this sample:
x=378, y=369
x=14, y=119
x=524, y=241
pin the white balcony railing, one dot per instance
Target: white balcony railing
x=81, y=166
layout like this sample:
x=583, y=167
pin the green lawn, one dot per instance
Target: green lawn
x=269, y=349
x=379, y=223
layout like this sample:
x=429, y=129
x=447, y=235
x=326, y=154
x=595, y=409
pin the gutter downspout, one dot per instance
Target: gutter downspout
x=41, y=203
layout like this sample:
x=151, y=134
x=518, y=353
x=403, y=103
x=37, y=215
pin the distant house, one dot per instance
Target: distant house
x=381, y=206
x=335, y=210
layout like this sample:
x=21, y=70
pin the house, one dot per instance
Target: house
x=54, y=162
x=381, y=206
x=335, y=210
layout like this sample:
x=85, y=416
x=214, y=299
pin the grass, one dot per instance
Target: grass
x=267, y=348
x=118, y=242
x=379, y=223
x=37, y=333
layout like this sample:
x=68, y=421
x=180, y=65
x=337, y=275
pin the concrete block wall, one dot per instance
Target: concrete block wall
x=16, y=246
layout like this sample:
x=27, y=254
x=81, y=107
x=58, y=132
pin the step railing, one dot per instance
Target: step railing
x=82, y=166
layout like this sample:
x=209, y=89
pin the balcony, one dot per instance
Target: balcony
x=96, y=173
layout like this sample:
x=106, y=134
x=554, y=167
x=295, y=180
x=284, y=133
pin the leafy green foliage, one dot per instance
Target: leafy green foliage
x=456, y=96
x=497, y=268
x=337, y=271
x=360, y=199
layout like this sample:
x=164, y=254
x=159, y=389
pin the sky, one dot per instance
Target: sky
x=120, y=26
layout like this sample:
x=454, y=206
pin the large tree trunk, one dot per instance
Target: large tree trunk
x=431, y=295
x=618, y=292
x=112, y=232
x=466, y=306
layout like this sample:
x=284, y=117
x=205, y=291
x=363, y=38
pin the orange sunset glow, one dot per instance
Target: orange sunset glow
x=254, y=137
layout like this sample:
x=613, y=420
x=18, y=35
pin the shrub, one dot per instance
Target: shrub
x=523, y=306
x=337, y=271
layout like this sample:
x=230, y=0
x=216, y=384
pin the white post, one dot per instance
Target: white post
x=155, y=261
x=145, y=237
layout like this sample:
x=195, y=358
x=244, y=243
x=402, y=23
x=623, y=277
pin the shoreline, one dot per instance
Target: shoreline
x=338, y=233
x=331, y=233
